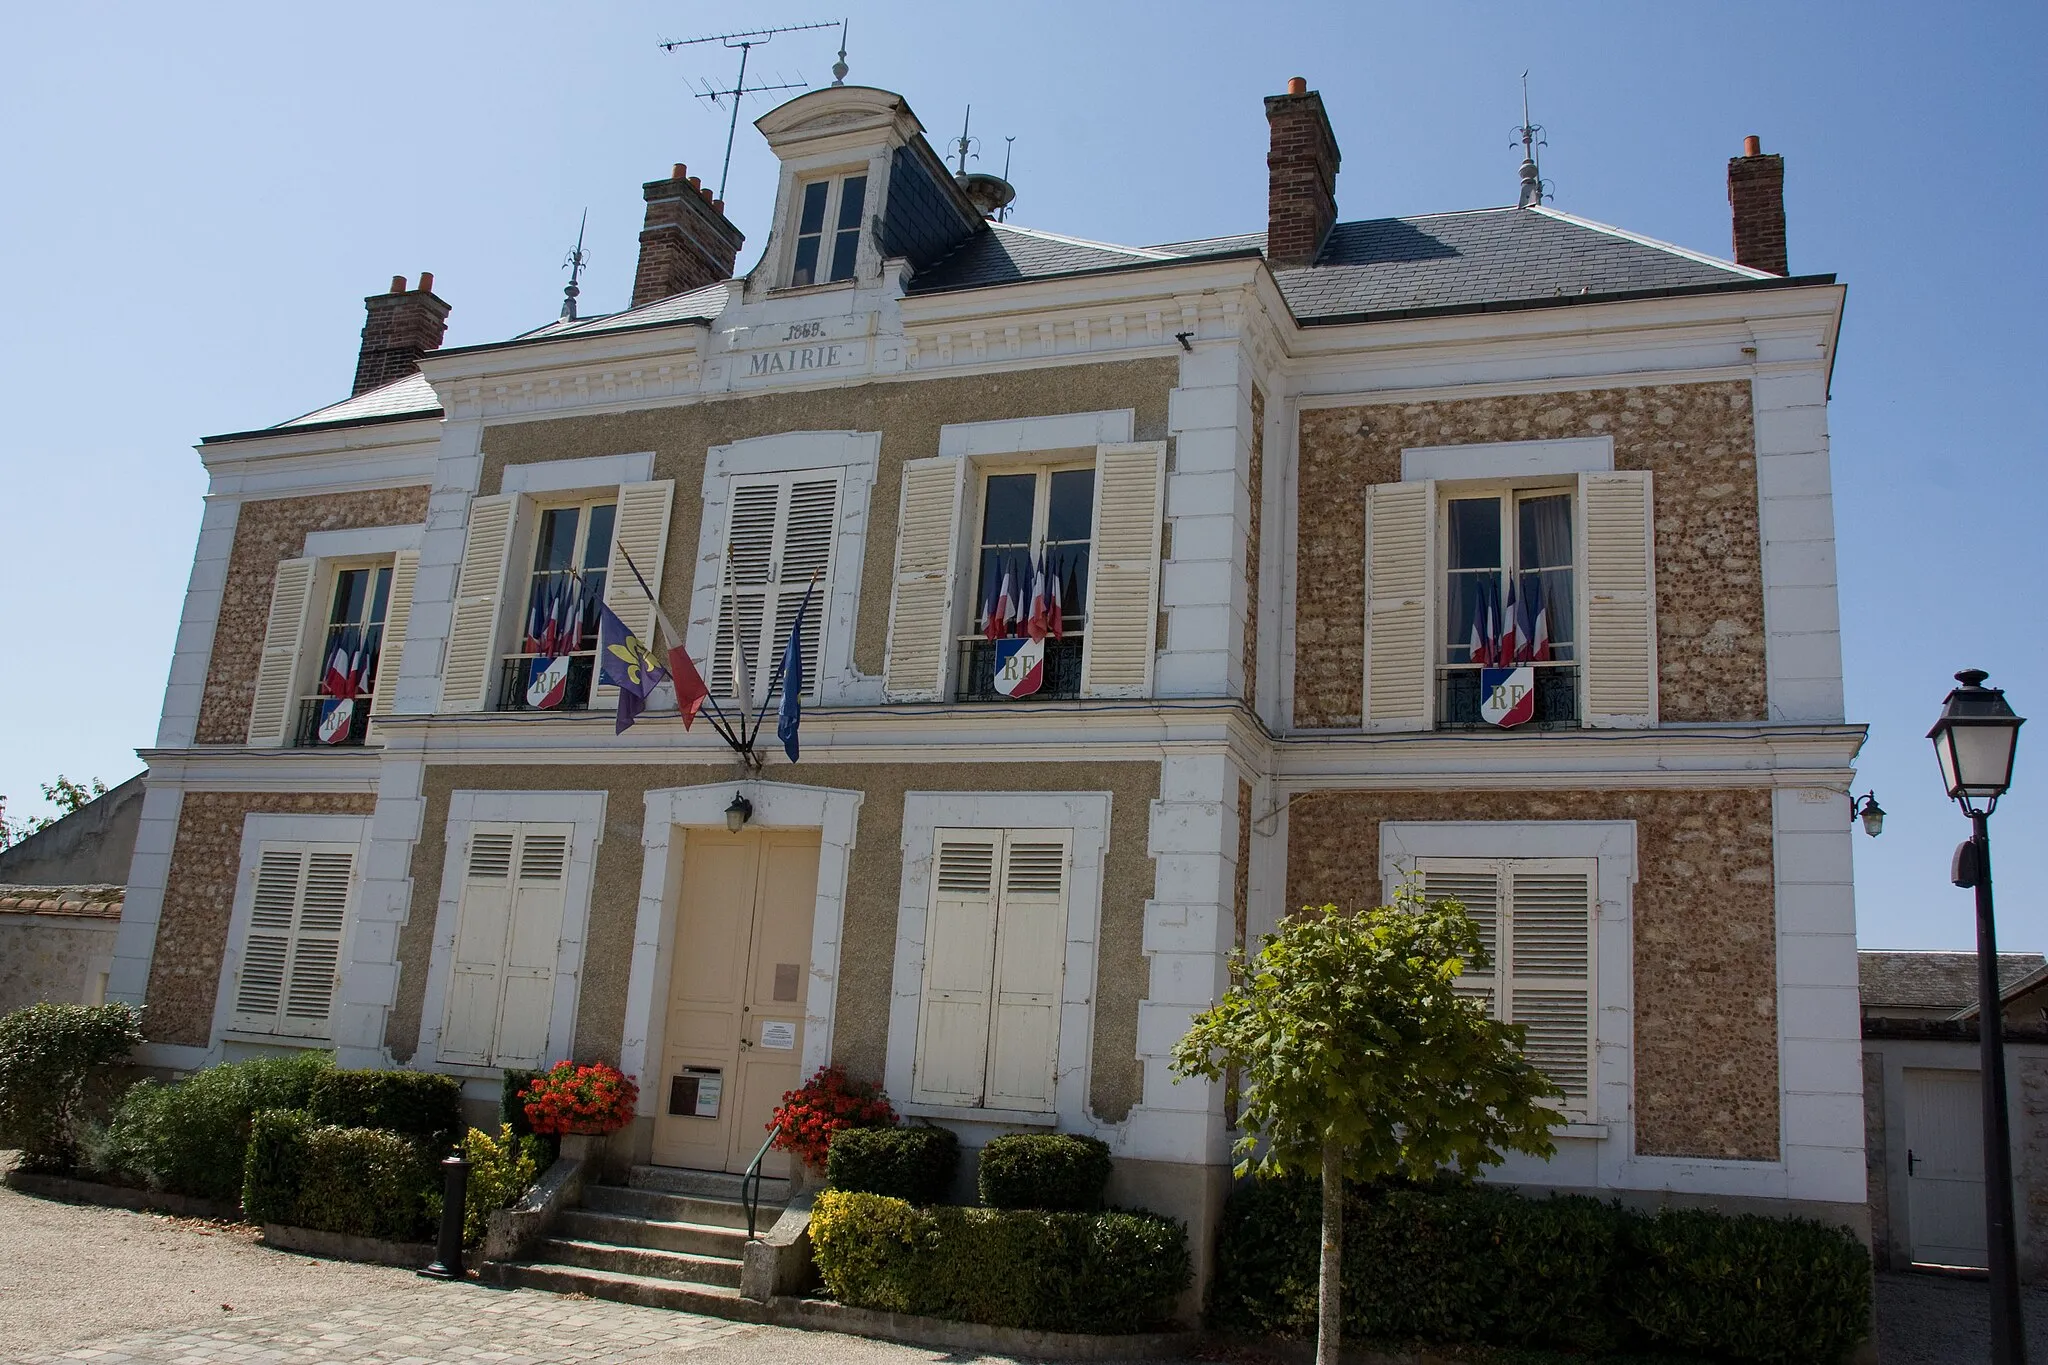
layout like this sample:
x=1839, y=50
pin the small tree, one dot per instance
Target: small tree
x=53, y=1060
x=1355, y=1057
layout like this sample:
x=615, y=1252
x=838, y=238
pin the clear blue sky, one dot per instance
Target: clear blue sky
x=198, y=197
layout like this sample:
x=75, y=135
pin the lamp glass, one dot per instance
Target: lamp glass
x=1982, y=757
x=738, y=813
x=1873, y=819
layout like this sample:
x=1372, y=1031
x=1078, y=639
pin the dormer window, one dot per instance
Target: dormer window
x=838, y=202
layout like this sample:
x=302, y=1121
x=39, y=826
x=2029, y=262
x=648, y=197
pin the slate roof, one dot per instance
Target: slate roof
x=698, y=305
x=411, y=396
x=1934, y=981
x=1009, y=254
x=88, y=902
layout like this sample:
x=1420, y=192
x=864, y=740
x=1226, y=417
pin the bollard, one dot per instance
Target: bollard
x=454, y=1198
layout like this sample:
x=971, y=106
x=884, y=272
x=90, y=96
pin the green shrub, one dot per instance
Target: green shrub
x=275, y=1167
x=1049, y=1271
x=1480, y=1264
x=1044, y=1171
x=367, y=1182
x=501, y=1169
x=915, y=1164
x=192, y=1137
x=56, y=1067
x=1748, y=1287
x=423, y=1105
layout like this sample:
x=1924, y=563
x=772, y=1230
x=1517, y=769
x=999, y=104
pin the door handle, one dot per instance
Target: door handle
x=747, y=1042
x=1911, y=1161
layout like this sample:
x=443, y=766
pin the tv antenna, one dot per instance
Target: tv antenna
x=574, y=265
x=1535, y=189
x=746, y=43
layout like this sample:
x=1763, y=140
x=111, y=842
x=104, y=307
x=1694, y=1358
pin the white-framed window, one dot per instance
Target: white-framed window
x=828, y=220
x=780, y=535
x=500, y=996
x=572, y=546
x=348, y=648
x=1536, y=919
x=994, y=962
x=1509, y=585
x=298, y=899
x=1033, y=537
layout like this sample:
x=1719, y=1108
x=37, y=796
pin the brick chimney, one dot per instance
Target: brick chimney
x=687, y=242
x=1301, y=176
x=1756, y=198
x=402, y=326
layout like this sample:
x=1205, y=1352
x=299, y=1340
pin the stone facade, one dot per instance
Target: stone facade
x=909, y=415
x=199, y=900
x=1696, y=438
x=1704, y=934
x=1876, y=1180
x=867, y=959
x=60, y=958
x=266, y=533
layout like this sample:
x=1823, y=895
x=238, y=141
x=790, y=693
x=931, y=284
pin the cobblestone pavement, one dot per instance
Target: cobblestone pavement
x=1936, y=1320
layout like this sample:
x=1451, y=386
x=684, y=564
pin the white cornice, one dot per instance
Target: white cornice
x=264, y=770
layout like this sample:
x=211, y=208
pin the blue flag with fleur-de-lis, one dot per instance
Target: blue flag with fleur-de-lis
x=626, y=664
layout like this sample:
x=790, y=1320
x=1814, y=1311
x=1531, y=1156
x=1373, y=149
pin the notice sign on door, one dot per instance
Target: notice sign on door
x=695, y=1093
x=779, y=1034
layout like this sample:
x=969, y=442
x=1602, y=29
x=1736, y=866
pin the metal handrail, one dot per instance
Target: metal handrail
x=750, y=1183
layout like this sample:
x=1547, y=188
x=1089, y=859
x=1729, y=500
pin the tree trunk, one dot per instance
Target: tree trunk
x=1330, y=1284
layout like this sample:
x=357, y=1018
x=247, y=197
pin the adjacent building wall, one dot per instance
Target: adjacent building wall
x=59, y=957
x=89, y=847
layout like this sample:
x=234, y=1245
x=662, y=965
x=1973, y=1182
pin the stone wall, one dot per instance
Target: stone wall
x=58, y=958
x=1696, y=438
x=199, y=900
x=867, y=958
x=2031, y=1125
x=908, y=414
x=1706, y=1028
x=267, y=532
x=1876, y=1179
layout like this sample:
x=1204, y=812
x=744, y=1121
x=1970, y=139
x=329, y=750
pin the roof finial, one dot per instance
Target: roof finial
x=1009, y=148
x=839, y=67
x=963, y=143
x=574, y=264
x=1535, y=189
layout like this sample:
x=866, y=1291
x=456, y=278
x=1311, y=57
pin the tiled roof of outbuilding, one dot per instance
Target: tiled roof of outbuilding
x=90, y=902
x=1933, y=980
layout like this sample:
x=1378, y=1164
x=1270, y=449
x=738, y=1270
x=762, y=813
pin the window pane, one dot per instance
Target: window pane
x=845, y=250
x=1549, y=591
x=1475, y=533
x=853, y=195
x=380, y=600
x=592, y=597
x=1071, y=505
x=597, y=550
x=349, y=588
x=1546, y=532
x=813, y=217
x=1461, y=604
x=556, y=546
x=1006, y=513
x=806, y=271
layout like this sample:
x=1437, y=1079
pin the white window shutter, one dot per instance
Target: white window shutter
x=1400, y=524
x=1123, y=575
x=779, y=532
x=639, y=529
x=316, y=942
x=959, y=967
x=266, y=950
x=1031, y=941
x=1620, y=650
x=291, y=956
x=405, y=572
x=471, y=666
x=1476, y=886
x=483, y=921
x=534, y=940
x=921, y=607
x=274, y=709
x=1549, y=971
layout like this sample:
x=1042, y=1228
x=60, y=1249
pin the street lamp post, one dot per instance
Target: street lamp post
x=1974, y=741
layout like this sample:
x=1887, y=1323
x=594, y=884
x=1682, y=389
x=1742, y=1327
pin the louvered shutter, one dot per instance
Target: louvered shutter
x=1400, y=521
x=1620, y=660
x=291, y=957
x=1123, y=578
x=470, y=668
x=405, y=572
x=1477, y=888
x=779, y=532
x=959, y=967
x=921, y=608
x=1549, y=971
x=639, y=529
x=534, y=940
x=470, y=1020
x=1031, y=941
x=275, y=706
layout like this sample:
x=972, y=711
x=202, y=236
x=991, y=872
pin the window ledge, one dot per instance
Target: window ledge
x=240, y=1035
x=1596, y=1131
x=966, y=1114
x=799, y=290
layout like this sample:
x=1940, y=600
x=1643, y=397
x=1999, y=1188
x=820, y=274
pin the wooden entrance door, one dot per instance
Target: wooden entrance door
x=734, y=1039
x=1945, y=1167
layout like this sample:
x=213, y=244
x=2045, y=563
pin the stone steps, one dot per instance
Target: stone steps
x=722, y=1272
x=719, y=1185
x=696, y=1239
x=645, y=1290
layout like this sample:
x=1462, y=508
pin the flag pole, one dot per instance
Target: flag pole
x=718, y=719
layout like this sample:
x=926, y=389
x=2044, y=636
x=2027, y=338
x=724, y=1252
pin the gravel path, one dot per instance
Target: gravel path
x=1935, y=1320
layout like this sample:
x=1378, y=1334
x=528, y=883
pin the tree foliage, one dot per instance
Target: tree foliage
x=1347, y=1027
x=67, y=796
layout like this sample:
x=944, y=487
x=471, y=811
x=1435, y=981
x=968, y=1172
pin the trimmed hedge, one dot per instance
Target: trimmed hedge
x=1043, y=1171
x=423, y=1105
x=1476, y=1264
x=365, y=1182
x=1048, y=1271
x=913, y=1164
x=56, y=1072
x=193, y=1137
